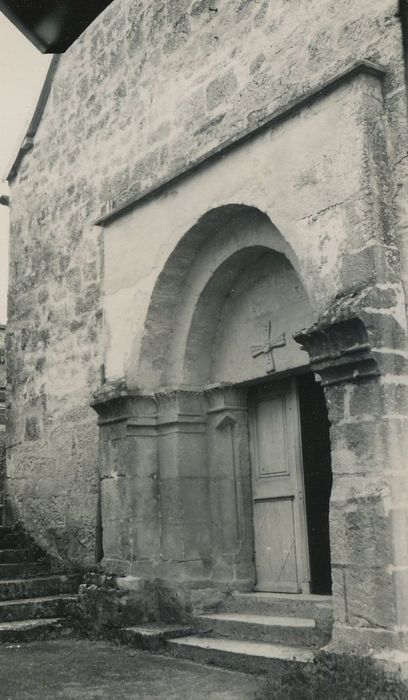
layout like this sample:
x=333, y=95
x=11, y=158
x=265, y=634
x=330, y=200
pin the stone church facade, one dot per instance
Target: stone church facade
x=207, y=335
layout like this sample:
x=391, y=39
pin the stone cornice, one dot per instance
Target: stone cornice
x=293, y=107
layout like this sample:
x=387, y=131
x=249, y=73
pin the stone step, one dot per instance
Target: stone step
x=316, y=607
x=11, y=537
x=24, y=569
x=15, y=556
x=297, y=631
x=152, y=637
x=41, y=586
x=34, y=608
x=32, y=630
x=246, y=656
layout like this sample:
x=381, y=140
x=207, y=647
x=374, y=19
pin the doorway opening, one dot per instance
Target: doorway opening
x=317, y=476
x=291, y=485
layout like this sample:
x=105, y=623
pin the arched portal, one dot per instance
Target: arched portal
x=198, y=276
x=237, y=468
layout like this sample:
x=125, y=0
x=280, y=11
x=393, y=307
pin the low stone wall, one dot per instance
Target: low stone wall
x=107, y=603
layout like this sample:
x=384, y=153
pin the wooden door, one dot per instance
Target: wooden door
x=281, y=549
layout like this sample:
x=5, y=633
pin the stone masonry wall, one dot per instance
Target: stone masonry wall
x=148, y=88
x=2, y=412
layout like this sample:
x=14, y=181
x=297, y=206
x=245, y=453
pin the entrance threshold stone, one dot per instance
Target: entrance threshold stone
x=262, y=628
x=302, y=605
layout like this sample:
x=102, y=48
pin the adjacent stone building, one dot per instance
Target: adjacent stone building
x=207, y=335
x=2, y=413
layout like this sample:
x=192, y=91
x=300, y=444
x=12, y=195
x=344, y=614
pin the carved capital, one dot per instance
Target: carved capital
x=225, y=398
x=115, y=403
x=179, y=406
x=339, y=352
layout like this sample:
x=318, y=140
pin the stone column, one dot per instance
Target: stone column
x=230, y=486
x=183, y=486
x=363, y=373
x=129, y=482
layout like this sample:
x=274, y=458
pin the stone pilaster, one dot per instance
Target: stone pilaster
x=358, y=361
x=129, y=482
x=230, y=485
x=183, y=485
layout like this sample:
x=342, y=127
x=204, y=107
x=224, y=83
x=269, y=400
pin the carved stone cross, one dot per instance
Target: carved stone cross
x=268, y=347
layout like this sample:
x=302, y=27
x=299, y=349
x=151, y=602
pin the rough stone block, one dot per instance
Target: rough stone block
x=370, y=597
x=195, y=499
x=335, y=398
x=221, y=89
x=361, y=534
x=172, y=542
x=376, y=400
x=171, y=510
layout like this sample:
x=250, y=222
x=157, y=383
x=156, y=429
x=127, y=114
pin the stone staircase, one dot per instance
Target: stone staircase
x=37, y=601
x=254, y=632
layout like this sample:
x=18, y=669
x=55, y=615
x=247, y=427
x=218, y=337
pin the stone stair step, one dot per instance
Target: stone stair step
x=41, y=586
x=32, y=630
x=298, y=631
x=24, y=569
x=152, y=637
x=33, y=608
x=11, y=538
x=16, y=556
x=246, y=656
x=317, y=607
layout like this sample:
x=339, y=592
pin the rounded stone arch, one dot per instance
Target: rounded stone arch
x=195, y=279
x=253, y=288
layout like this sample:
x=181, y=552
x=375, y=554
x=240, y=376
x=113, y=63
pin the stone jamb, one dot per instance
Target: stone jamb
x=230, y=486
x=369, y=548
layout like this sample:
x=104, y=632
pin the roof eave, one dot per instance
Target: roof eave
x=28, y=140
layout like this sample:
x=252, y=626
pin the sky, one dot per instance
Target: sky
x=22, y=73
